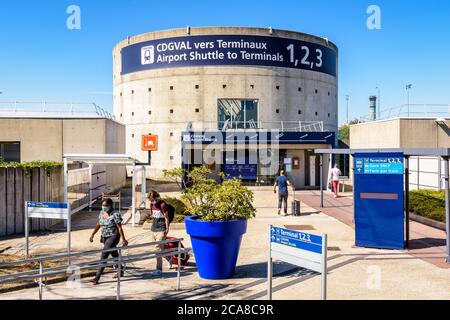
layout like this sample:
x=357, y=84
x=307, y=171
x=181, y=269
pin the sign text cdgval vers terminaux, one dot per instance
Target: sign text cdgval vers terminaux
x=237, y=50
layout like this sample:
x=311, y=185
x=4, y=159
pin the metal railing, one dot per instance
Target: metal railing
x=297, y=126
x=43, y=273
x=51, y=109
x=412, y=111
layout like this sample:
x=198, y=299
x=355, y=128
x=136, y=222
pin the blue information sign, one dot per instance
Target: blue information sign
x=241, y=171
x=296, y=239
x=49, y=205
x=379, y=200
x=228, y=50
x=379, y=165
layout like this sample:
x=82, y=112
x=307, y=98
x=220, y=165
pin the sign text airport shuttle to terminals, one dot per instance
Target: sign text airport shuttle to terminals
x=298, y=248
x=229, y=50
x=46, y=210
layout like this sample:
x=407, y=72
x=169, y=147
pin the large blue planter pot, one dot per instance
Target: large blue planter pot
x=215, y=245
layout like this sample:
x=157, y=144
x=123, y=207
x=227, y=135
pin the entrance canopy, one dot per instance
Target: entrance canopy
x=107, y=160
x=444, y=153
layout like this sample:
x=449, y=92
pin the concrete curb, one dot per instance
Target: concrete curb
x=427, y=221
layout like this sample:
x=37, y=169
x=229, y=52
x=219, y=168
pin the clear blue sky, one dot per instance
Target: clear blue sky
x=41, y=59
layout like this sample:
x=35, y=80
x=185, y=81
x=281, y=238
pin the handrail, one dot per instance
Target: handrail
x=92, y=263
x=283, y=125
x=412, y=110
x=87, y=252
x=52, y=109
x=42, y=272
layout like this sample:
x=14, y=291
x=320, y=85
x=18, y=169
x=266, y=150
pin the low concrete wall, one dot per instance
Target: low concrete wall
x=18, y=186
x=427, y=221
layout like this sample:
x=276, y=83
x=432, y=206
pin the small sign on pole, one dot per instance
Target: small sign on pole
x=46, y=210
x=305, y=250
x=149, y=142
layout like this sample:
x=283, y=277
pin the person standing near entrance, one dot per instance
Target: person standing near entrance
x=335, y=173
x=282, y=182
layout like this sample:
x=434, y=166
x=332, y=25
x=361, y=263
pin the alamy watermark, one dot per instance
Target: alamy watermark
x=73, y=22
x=374, y=279
x=73, y=277
x=374, y=19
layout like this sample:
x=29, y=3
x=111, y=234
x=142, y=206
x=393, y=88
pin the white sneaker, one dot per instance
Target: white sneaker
x=156, y=273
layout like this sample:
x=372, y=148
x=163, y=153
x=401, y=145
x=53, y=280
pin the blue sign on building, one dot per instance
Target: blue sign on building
x=226, y=50
x=259, y=137
x=297, y=239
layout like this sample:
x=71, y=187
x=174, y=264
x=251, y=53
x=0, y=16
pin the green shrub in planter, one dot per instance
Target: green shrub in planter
x=220, y=213
x=428, y=203
x=227, y=201
x=437, y=214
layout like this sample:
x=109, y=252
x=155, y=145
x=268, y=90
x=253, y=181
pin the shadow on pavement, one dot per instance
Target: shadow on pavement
x=426, y=243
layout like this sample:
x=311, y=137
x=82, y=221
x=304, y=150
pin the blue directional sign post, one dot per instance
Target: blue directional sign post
x=379, y=200
x=302, y=249
x=46, y=210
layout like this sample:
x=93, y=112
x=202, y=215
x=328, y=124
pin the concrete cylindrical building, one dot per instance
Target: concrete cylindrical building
x=222, y=78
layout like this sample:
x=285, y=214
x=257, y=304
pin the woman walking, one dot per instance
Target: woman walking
x=335, y=173
x=110, y=222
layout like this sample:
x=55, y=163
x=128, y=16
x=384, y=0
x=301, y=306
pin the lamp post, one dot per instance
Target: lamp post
x=408, y=88
x=347, y=97
x=379, y=103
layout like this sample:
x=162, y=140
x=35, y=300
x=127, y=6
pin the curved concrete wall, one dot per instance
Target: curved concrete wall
x=162, y=101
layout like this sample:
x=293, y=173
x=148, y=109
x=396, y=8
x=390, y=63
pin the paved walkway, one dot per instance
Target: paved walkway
x=354, y=273
x=426, y=242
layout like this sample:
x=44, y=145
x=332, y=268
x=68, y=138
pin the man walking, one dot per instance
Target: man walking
x=282, y=182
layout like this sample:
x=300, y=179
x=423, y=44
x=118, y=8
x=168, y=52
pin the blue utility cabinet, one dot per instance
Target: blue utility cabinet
x=379, y=200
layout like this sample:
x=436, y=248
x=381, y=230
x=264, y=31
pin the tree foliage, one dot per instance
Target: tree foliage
x=344, y=130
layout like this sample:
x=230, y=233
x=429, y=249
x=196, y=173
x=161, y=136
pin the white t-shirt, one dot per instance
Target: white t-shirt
x=335, y=173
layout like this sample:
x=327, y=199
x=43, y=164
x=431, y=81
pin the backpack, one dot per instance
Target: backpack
x=170, y=208
x=171, y=212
